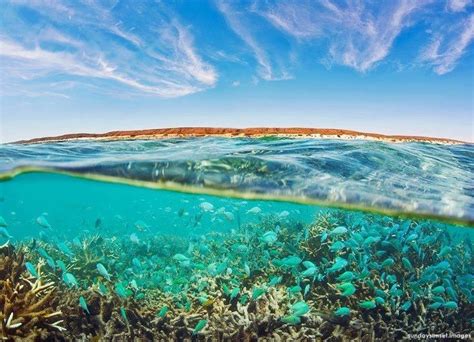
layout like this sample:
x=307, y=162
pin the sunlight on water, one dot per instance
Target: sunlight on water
x=123, y=261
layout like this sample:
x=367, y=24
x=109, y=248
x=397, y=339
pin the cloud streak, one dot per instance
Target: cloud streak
x=161, y=61
x=359, y=36
x=236, y=19
x=447, y=49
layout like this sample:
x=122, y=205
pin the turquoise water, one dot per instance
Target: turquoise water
x=189, y=260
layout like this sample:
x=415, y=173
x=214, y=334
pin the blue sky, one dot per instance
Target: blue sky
x=400, y=67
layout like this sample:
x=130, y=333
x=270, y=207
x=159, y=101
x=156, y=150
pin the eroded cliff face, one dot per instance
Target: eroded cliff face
x=239, y=132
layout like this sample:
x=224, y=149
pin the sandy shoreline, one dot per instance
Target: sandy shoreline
x=257, y=132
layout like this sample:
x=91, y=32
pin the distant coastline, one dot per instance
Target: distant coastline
x=256, y=132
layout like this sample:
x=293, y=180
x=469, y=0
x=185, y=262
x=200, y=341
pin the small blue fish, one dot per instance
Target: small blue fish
x=438, y=290
x=103, y=271
x=70, y=280
x=289, y=261
x=309, y=264
x=61, y=265
x=124, y=314
x=83, y=304
x=346, y=276
x=275, y=280
x=388, y=263
x=344, y=311
x=65, y=249
x=43, y=222
x=257, y=292
x=347, y=289
x=163, y=311
x=269, y=238
x=292, y=320
x=435, y=306
x=444, y=251
x=336, y=246
x=306, y=290
x=406, y=306
x=309, y=272
x=407, y=264
x=338, y=231
x=234, y=293
x=4, y=233
x=450, y=305
x=300, y=308
x=199, y=326
x=339, y=264
x=31, y=269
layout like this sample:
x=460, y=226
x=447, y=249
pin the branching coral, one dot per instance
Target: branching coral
x=25, y=302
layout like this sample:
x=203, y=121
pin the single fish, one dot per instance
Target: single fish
x=180, y=257
x=291, y=319
x=300, y=308
x=254, y=210
x=275, y=280
x=444, y=251
x=206, y=206
x=367, y=305
x=234, y=293
x=4, y=233
x=338, y=265
x=65, y=249
x=289, y=261
x=134, y=238
x=43, y=222
x=257, y=292
x=407, y=264
x=164, y=310
x=199, y=326
x=121, y=291
x=269, y=237
x=83, y=305
x=61, y=265
x=103, y=271
x=336, y=246
x=346, y=276
x=438, y=290
x=308, y=264
x=338, y=231
x=3, y=223
x=347, y=289
x=309, y=272
x=70, y=280
x=344, y=311
x=31, y=269
x=450, y=305
x=306, y=290
x=124, y=314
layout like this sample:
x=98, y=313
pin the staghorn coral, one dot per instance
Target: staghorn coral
x=26, y=312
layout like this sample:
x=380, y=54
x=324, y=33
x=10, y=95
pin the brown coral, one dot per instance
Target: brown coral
x=25, y=302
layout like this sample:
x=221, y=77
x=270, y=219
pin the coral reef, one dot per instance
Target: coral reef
x=26, y=310
x=345, y=276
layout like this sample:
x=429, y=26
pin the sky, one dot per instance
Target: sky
x=386, y=66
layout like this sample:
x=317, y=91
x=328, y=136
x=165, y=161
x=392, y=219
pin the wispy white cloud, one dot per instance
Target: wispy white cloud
x=459, y=5
x=160, y=60
x=236, y=19
x=359, y=35
x=448, y=47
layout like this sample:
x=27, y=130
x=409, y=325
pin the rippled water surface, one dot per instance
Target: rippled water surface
x=409, y=177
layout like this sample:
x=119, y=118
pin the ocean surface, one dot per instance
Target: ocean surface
x=236, y=239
